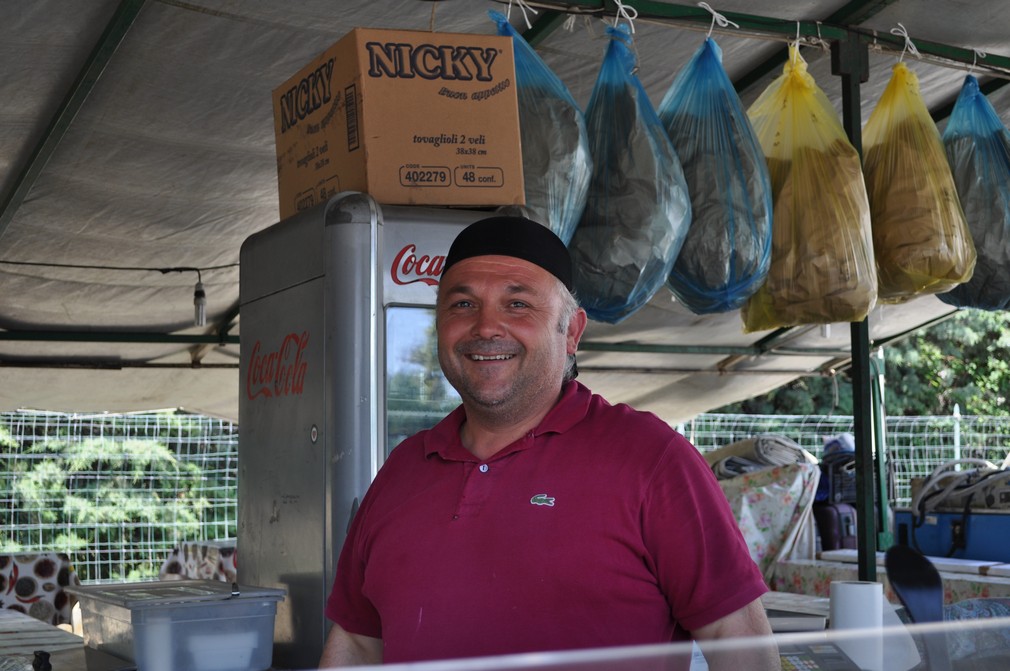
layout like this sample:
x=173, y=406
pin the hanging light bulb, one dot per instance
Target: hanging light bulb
x=200, y=304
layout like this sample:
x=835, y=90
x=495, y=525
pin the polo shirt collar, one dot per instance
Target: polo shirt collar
x=443, y=439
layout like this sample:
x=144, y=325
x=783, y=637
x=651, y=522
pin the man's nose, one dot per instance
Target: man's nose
x=488, y=323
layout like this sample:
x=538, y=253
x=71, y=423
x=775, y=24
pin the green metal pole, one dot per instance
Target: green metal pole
x=850, y=59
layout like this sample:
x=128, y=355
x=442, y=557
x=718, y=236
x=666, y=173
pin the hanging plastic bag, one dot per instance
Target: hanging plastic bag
x=637, y=211
x=978, y=152
x=727, y=250
x=822, y=267
x=555, y=146
x=920, y=238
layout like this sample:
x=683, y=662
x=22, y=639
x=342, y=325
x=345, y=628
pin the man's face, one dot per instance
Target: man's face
x=500, y=340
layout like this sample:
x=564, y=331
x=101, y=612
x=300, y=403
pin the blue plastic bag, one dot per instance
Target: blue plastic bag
x=555, y=145
x=727, y=251
x=638, y=210
x=977, y=145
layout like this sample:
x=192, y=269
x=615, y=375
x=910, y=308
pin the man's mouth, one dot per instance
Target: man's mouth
x=492, y=357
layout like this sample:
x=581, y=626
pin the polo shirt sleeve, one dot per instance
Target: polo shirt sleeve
x=699, y=555
x=347, y=605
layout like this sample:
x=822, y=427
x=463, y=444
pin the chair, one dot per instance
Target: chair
x=33, y=583
x=775, y=531
x=201, y=560
x=917, y=584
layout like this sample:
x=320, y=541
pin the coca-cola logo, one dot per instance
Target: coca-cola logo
x=409, y=268
x=280, y=372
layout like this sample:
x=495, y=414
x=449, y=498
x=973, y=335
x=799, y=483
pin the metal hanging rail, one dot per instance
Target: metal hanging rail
x=834, y=28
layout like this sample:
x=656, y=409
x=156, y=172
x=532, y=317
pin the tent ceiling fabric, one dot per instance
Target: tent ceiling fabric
x=165, y=160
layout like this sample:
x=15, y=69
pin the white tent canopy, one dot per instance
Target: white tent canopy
x=137, y=147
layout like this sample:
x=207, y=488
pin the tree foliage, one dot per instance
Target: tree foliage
x=964, y=360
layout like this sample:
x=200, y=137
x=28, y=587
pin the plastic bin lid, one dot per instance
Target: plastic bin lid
x=158, y=593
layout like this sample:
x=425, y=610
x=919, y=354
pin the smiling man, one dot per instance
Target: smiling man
x=536, y=516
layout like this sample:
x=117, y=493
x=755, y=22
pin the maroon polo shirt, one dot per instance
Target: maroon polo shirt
x=600, y=527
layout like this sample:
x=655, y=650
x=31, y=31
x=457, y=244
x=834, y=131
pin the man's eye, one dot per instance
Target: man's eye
x=518, y=304
x=462, y=304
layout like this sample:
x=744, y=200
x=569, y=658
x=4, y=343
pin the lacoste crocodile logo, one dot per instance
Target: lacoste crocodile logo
x=542, y=500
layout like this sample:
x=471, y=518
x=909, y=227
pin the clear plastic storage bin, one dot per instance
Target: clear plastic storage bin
x=200, y=625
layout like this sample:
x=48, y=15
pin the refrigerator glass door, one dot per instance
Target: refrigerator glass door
x=417, y=394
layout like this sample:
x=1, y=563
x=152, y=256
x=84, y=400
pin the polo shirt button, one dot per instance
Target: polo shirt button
x=483, y=468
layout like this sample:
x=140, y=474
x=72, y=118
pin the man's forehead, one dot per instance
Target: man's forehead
x=507, y=269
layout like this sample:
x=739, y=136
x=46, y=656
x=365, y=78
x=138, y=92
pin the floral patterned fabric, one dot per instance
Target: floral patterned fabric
x=814, y=577
x=34, y=584
x=774, y=508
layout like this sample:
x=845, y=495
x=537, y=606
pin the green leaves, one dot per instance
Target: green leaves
x=964, y=360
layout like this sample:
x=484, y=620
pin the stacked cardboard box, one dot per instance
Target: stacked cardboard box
x=412, y=118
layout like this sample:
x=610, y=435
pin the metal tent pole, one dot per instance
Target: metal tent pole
x=850, y=59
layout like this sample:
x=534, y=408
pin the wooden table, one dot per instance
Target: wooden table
x=814, y=576
x=22, y=634
x=797, y=603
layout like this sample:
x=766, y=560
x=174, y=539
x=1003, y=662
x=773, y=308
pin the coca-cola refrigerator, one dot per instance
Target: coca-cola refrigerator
x=338, y=364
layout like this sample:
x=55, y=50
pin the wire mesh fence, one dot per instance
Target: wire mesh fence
x=118, y=492
x=915, y=445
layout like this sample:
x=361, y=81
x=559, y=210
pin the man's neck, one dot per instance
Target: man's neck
x=485, y=442
x=488, y=431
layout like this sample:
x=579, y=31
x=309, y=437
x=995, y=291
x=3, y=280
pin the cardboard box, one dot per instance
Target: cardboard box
x=199, y=625
x=410, y=117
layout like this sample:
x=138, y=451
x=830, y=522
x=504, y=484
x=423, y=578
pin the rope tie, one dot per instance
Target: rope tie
x=525, y=8
x=717, y=18
x=909, y=45
x=626, y=12
x=796, y=50
x=820, y=40
x=976, y=54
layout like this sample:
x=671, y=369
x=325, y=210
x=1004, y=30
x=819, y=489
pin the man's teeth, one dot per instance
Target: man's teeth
x=496, y=357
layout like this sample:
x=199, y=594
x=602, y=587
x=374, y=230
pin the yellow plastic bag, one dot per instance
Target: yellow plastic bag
x=822, y=268
x=920, y=238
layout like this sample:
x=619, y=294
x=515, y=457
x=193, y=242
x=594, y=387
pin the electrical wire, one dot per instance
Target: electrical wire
x=934, y=499
x=943, y=484
x=156, y=269
x=199, y=291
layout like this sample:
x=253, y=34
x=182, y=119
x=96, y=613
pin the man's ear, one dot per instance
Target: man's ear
x=576, y=327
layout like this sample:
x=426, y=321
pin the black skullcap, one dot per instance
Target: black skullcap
x=513, y=236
